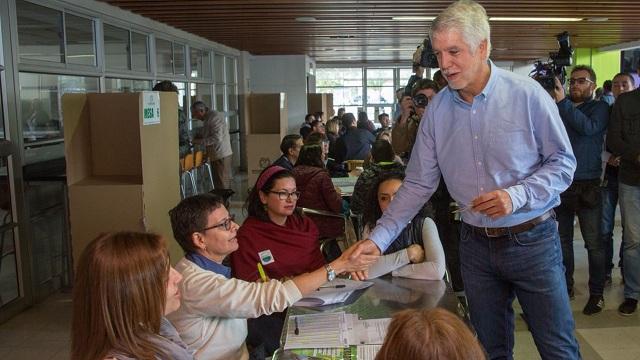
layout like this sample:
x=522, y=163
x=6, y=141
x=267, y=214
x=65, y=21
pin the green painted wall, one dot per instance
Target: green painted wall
x=605, y=64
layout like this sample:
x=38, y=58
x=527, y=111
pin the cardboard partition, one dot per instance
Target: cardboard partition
x=262, y=151
x=161, y=172
x=123, y=167
x=320, y=102
x=103, y=208
x=267, y=114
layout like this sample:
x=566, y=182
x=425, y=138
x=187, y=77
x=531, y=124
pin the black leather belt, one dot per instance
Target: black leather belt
x=503, y=231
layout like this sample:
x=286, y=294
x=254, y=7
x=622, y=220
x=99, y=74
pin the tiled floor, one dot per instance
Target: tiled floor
x=42, y=332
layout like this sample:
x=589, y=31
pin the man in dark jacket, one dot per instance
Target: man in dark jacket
x=356, y=143
x=585, y=120
x=624, y=138
x=290, y=147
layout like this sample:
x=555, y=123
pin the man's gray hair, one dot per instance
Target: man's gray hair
x=470, y=19
x=199, y=105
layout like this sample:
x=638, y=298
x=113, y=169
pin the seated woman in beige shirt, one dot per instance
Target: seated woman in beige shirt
x=212, y=317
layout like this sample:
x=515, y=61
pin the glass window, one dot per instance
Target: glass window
x=116, y=48
x=41, y=96
x=81, y=48
x=374, y=111
x=201, y=92
x=8, y=272
x=405, y=74
x=178, y=59
x=40, y=33
x=139, y=52
x=345, y=84
x=2, y=134
x=380, y=89
x=218, y=64
x=196, y=59
x=206, y=65
x=219, y=106
x=182, y=95
x=126, y=85
x=230, y=67
x=164, y=56
x=232, y=98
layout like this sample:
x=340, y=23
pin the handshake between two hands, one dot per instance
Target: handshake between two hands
x=494, y=204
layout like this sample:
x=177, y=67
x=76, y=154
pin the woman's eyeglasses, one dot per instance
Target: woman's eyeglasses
x=226, y=224
x=285, y=195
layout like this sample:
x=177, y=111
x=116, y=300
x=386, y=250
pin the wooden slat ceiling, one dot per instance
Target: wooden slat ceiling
x=355, y=31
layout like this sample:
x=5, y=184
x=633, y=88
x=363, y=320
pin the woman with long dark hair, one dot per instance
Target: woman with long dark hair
x=317, y=190
x=417, y=252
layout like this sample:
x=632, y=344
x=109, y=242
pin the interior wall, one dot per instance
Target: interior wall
x=606, y=64
x=282, y=73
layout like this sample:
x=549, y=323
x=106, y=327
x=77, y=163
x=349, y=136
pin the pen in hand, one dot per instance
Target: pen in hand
x=297, y=329
x=331, y=287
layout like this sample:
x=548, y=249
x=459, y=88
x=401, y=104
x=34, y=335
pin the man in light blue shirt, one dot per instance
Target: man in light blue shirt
x=499, y=143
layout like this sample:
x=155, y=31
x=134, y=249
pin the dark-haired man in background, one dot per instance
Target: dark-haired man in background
x=585, y=120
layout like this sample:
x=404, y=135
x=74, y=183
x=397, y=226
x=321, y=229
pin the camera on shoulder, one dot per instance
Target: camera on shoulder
x=546, y=72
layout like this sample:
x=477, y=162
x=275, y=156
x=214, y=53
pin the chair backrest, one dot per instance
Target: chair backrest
x=352, y=164
x=188, y=162
x=344, y=241
x=198, y=158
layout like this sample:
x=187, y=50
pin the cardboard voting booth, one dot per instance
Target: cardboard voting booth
x=320, y=102
x=121, y=152
x=266, y=124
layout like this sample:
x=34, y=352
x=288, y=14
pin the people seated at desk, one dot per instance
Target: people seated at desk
x=335, y=169
x=317, y=191
x=124, y=287
x=215, y=306
x=382, y=161
x=433, y=334
x=290, y=147
x=277, y=230
x=417, y=252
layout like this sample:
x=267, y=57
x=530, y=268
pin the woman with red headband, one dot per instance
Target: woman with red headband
x=277, y=236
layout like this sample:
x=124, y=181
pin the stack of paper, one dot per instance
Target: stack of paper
x=335, y=292
x=335, y=336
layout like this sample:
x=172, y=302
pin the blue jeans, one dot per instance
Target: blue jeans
x=609, y=203
x=527, y=265
x=590, y=220
x=630, y=211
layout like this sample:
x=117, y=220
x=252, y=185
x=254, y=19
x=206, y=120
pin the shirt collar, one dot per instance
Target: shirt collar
x=208, y=264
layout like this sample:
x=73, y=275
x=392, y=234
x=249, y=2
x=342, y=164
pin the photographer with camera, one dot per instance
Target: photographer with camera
x=403, y=135
x=585, y=120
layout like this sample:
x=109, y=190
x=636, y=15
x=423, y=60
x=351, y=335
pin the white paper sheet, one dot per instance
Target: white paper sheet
x=334, y=292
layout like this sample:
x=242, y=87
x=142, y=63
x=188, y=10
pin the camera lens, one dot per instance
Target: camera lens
x=420, y=100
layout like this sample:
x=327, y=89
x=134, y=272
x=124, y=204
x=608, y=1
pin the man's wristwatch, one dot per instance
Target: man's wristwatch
x=331, y=274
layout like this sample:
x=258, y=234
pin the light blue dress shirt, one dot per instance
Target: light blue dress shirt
x=511, y=137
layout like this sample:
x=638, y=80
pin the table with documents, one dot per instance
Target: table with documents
x=355, y=329
x=346, y=184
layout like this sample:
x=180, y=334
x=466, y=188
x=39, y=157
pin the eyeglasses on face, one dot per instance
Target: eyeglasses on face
x=284, y=195
x=579, y=81
x=226, y=224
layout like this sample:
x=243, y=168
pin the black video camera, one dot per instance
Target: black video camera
x=546, y=72
x=422, y=57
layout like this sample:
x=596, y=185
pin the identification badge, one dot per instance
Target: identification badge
x=265, y=257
